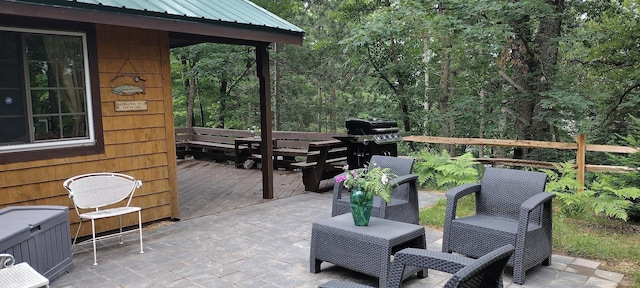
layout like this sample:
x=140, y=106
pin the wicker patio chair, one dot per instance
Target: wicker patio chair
x=103, y=195
x=484, y=272
x=20, y=275
x=511, y=208
x=404, y=198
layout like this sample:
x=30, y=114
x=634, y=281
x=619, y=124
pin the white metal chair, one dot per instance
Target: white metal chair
x=92, y=192
x=21, y=275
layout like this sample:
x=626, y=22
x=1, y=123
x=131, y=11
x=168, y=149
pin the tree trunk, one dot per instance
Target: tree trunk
x=192, y=94
x=334, y=95
x=223, y=103
x=534, y=64
x=547, y=43
x=426, y=58
x=502, y=125
x=481, y=128
x=202, y=115
x=443, y=93
x=276, y=87
x=319, y=115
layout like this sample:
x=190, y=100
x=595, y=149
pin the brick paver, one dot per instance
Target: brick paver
x=265, y=245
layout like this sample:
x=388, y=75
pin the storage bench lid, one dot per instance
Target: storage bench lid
x=16, y=220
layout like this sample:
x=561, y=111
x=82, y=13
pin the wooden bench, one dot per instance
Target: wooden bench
x=324, y=160
x=214, y=143
x=293, y=146
x=318, y=155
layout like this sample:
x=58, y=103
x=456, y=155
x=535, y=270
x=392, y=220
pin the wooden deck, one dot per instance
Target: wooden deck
x=206, y=187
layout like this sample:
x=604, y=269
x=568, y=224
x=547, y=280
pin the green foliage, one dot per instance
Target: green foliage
x=611, y=199
x=602, y=196
x=440, y=172
x=372, y=180
x=628, y=181
x=387, y=59
x=564, y=184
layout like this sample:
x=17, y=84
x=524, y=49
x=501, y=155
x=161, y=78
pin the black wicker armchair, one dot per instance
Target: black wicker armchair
x=484, y=272
x=511, y=208
x=404, y=198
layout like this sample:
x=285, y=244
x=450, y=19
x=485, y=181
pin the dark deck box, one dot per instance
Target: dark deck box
x=38, y=235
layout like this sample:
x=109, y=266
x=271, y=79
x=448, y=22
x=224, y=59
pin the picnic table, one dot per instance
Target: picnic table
x=247, y=146
x=317, y=155
x=324, y=160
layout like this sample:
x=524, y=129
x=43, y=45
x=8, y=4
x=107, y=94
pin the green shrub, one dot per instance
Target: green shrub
x=564, y=184
x=631, y=179
x=440, y=172
x=603, y=196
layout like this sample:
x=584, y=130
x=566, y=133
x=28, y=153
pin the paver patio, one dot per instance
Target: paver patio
x=265, y=245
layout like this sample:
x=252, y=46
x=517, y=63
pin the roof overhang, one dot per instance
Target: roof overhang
x=182, y=30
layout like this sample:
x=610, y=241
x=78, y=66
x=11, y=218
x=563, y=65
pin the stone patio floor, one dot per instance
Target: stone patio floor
x=266, y=245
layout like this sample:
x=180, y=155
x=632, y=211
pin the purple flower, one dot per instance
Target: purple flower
x=341, y=178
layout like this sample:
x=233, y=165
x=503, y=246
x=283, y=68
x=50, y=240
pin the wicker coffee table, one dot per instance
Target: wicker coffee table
x=365, y=249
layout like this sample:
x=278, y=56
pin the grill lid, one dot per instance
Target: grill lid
x=370, y=126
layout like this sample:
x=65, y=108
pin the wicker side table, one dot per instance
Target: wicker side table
x=365, y=249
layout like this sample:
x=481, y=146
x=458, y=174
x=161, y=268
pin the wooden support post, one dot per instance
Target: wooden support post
x=580, y=160
x=262, y=60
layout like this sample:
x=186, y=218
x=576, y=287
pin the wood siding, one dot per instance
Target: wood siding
x=138, y=143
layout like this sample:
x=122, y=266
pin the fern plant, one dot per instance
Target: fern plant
x=612, y=200
x=564, y=185
x=425, y=167
x=602, y=196
x=631, y=179
x=440, y=172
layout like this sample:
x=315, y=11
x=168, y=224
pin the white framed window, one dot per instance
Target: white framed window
x=45, y=92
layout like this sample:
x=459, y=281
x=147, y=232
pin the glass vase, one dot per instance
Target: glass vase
x=361, y=203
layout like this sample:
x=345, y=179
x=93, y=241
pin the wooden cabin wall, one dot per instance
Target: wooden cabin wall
x=138, y=143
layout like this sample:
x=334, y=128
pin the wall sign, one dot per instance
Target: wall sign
x=127, y=84
x=131, y=106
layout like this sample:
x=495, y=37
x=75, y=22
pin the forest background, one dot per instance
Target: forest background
x=543, y=70
x=506, y=69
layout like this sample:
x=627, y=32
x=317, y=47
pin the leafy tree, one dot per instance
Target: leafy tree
x=527, y=69
x=389, y=50
x=213, y=74
x=285, y=9
x=604, y=60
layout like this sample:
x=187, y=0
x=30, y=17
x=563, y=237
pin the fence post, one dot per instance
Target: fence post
x=580, y=160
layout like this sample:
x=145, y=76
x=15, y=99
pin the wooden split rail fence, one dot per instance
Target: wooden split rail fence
x=580, y=146
x=321, y=157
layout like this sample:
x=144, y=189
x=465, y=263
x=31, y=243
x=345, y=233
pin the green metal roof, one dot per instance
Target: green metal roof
x=230, y=13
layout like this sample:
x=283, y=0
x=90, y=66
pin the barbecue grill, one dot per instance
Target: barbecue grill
x=367, y=137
